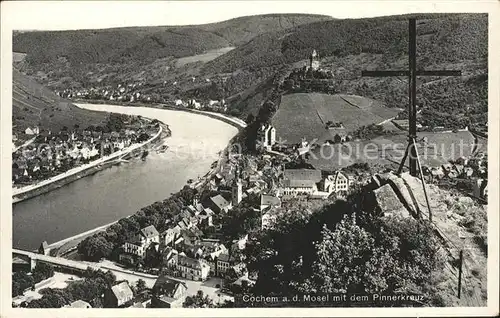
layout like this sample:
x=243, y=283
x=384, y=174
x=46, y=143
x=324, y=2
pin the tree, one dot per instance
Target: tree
x=250, y=119
x=95, y=247
x=42, y=271
x=140, y=286
x=199, y=300
x=348, y=260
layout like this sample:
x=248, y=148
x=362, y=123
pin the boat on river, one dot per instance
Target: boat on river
x=162, y=149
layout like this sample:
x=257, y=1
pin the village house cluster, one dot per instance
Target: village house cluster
x=473, y=170
x=135, y=92
x=122, y=92
x=183, y=249
x=50, y=153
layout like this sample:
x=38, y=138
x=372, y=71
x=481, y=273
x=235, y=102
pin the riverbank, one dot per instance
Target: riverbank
x=121, y=190
x=67, y=247
x=70, y=244
x=234, y=121
x=24, y=193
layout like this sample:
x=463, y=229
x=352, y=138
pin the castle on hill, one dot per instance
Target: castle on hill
x=313, y=61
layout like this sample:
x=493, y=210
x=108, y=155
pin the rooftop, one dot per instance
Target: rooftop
x=149, y=231
x=122, y=291
x=303, y=174
x=166, y=286
x=224, y=257
x=269, y=200
x=190, y=262
x=220, y=202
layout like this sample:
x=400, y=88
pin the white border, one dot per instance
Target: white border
x=80, y=14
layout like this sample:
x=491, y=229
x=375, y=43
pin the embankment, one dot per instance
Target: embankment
x=236, y=122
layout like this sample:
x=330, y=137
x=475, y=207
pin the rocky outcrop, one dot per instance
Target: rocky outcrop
x=402, y=194
x=388, y=203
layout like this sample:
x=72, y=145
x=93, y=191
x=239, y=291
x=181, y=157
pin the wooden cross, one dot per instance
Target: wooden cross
x=412, y=74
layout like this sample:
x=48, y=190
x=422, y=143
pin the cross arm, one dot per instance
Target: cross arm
x=439, y=73
x=384, y=73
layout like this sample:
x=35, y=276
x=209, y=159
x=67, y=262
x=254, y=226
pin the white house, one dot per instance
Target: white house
x=141, y=242
x=194, y=269
x=32, y=131
x=335, y=183
x=119, y=144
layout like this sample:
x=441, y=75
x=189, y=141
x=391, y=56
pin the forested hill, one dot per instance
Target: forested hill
x=347, y=47
x=259, y=51
x=241, y=30
x=441, y=39
x=148, y=43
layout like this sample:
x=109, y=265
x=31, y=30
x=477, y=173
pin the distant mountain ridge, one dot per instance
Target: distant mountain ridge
x=259, y=51
x=113, y=45
x=441, y=38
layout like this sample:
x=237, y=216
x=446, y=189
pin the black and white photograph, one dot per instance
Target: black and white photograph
x=231, y=157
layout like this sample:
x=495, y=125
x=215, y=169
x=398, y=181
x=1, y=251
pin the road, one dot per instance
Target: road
x=208, y=286
x=59, y=280
x=24, y=144
x=237, y=121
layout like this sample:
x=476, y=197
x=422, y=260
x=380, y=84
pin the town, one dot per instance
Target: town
x=48, y=154
x=205, y=239
x=306, y=165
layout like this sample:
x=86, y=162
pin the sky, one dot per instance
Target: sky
x=65, y=15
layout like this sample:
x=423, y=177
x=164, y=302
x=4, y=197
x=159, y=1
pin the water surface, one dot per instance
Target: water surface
x=121, y=190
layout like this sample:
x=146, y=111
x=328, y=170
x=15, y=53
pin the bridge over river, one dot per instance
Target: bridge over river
x=78, y=267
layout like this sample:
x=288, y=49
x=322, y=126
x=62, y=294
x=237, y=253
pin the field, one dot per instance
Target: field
x=205, y=57
x=388, y=150
x=305, y=115
x=33, y=105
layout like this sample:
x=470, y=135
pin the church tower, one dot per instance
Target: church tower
x=237, y=189
x=314, y=61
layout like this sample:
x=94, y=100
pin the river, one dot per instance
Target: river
x=121, y=190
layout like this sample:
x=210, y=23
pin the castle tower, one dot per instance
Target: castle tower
x=237, y=189
x=314, y=61
x=271, y=136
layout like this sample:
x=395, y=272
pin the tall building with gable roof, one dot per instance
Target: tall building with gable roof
x=237, y=189
x=314, y=61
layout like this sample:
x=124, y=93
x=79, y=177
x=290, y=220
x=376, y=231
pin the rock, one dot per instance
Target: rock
x=466, y=200
x=388, y=202
x=410, y=192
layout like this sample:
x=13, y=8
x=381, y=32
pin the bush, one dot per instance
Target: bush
x=22, y=280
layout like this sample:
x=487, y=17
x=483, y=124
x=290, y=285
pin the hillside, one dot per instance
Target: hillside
x=34, y=105
x=305, y=115
x=346, y=47
x=138, y=43
x=241, y=30
x=441, y=38
x=388, y=151
x=256, y=53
